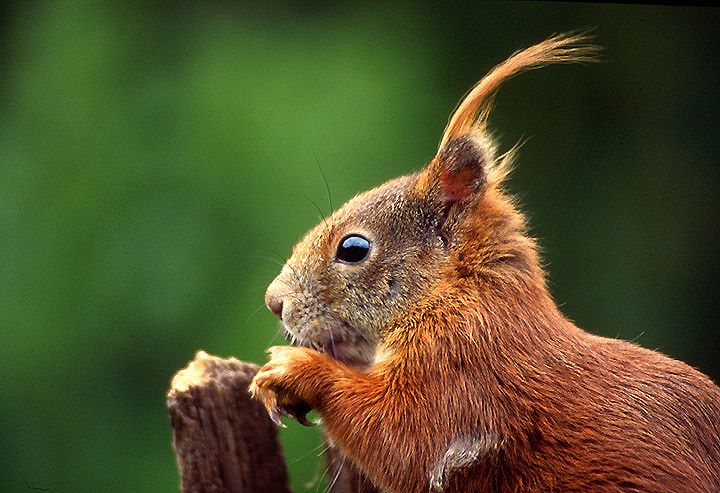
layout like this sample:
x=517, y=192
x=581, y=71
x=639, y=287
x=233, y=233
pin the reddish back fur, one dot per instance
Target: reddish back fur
x=478, y=382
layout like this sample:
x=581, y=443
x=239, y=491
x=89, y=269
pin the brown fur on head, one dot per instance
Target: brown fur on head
x=416, y=227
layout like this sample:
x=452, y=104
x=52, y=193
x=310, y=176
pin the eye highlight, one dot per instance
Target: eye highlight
x=352, y=249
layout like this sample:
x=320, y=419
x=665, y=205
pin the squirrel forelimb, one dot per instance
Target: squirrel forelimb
x=283, y=386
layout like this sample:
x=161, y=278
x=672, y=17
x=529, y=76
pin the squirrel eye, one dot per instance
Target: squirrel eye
x=353, y=249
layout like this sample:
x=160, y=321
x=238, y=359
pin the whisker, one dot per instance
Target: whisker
x=319, y=473
x=264, y=257
x=322, y=216
x=634, y=339
x=337, y=475
x=332, y=343
x=281, y=258
x=327, y=187
x=306, y=454
x=256, y=289
x=326, y=447
x=255, y=312
x=318, y=479
x=277, y=333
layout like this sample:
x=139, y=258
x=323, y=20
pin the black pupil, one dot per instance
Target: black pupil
x=353, y=249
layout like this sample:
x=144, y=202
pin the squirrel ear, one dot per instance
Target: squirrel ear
x=459, y=169
x=460, y=165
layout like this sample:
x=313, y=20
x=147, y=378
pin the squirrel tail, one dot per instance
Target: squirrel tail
x=475, y=107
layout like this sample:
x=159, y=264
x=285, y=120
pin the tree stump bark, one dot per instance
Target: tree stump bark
x=224, y=440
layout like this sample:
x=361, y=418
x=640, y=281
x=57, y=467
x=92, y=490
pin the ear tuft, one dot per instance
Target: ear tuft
x=460, y=169
x=474, y=108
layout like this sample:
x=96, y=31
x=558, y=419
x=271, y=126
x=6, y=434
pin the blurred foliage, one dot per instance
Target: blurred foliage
x=157, y=161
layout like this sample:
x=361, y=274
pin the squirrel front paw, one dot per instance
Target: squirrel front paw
x=288, y=384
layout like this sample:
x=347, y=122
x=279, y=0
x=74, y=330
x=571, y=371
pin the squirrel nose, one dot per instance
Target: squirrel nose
x=275, y=305
x=274, y=296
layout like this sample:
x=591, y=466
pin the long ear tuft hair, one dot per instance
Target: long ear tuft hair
x=474, y=109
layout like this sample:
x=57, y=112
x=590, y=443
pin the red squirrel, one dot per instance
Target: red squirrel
x=425, y=336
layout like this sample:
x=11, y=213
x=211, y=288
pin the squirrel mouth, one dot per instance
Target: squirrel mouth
x=341, y=343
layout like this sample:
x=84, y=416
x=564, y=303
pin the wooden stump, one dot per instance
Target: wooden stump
x=223, y=439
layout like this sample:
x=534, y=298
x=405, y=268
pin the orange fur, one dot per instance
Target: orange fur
x=440, y=362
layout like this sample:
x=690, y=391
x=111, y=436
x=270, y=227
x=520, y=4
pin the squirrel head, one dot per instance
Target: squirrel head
x=373, y=260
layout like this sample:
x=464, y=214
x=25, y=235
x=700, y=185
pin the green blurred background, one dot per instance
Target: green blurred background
x=157, y=160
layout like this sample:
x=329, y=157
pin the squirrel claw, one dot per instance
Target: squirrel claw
x=274, y=414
